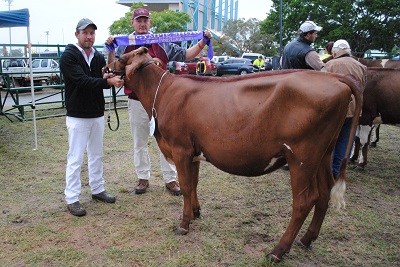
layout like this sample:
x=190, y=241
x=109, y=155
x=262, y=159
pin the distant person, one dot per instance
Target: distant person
x=201, y=67
x=328, y=52
x=81, y=64
x=259, y=64
x=344, y=63
x=138, y=118
x=268, y=64
x=299, y=54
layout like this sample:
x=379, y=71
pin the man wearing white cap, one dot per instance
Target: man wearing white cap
x=342, y=62
x=299, y=54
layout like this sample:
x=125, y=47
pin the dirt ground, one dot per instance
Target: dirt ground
x=242, y=218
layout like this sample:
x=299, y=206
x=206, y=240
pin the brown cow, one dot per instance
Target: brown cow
x=249, y=126
x=381, y=98
x=392, y=64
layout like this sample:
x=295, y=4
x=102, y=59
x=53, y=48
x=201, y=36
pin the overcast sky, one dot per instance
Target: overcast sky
x=59, y=18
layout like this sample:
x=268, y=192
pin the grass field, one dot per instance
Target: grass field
x=242, y=218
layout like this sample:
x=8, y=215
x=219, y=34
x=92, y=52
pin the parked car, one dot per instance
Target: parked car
x=211, y=68
x=235, y=66
x=177, y=67
x=48, y=67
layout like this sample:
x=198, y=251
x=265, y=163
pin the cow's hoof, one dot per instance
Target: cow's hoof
x=359, y=168
x=196, y=214
x=181, y=231
x=300, y=244
x=373, y=144
x=273, y=258
x=352, y=162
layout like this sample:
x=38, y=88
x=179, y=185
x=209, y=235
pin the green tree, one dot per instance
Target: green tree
x=164, y=21
x=123, y=25
x=17, y=52
x=245, y=35
x=169, y=21
x=365, y=24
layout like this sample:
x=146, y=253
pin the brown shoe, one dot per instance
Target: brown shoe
x=142, y=186
x=173, y=188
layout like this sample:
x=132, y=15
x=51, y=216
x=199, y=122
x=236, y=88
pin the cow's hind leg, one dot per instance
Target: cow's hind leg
x=304, y=192
x=325, y=183
x=188, y=175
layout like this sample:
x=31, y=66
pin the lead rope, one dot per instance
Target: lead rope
x=113, y=98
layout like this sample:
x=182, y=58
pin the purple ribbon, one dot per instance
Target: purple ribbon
x=144, y=39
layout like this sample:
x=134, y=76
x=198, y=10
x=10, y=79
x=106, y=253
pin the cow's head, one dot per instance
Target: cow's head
x=133, y=61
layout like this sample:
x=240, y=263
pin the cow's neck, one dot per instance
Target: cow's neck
x=149, y=89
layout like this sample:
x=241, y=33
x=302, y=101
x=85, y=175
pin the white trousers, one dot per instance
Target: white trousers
x=84, y=134
x=139, y=121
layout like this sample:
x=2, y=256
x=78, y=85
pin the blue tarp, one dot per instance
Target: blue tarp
x=14, y=18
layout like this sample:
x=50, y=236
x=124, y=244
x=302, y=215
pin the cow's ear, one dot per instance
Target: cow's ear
x=130, y=69
x=141, y=50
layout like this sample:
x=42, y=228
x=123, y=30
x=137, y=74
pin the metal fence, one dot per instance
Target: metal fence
x=49, y=93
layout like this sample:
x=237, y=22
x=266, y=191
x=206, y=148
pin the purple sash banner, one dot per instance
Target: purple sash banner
x=145, y=39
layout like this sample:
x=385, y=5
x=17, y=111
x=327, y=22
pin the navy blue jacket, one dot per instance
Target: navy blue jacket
x=294, y=54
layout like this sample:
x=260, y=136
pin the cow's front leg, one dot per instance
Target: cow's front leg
x=356, y=150
x=356, y=147
x=188, y=175
x=365, y=135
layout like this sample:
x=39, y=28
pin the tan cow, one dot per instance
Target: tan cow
x=249, y=125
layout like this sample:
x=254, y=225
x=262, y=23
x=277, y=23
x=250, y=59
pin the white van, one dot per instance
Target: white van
x=253, y=56
x=219, y=59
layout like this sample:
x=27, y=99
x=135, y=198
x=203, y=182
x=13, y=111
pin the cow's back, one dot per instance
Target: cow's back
x=394, y=64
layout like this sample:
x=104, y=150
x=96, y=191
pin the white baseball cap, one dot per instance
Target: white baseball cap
x=309, y=26
x=341, y=44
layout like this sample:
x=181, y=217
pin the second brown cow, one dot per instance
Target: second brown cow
x=381, y=99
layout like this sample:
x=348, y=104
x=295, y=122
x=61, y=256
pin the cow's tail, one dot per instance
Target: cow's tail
x=338, y=190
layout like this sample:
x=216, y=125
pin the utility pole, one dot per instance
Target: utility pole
x=47, y=35
x=9, y=29
x=280, y=26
